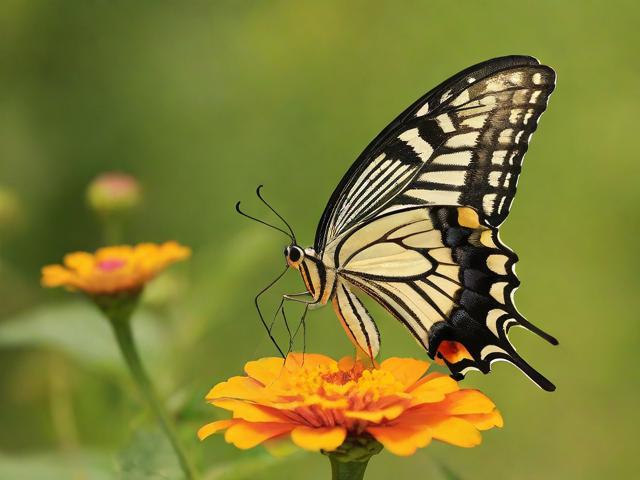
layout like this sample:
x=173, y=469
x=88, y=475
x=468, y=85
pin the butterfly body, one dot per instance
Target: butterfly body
x=414, y=222
x=318, y=277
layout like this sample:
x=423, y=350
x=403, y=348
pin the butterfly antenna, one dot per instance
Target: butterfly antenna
x=257, y=304
x=293, y=235
x=263, y=222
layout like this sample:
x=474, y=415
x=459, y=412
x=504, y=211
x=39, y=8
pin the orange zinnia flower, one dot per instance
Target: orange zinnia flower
x=112, y=270
x=319, y=402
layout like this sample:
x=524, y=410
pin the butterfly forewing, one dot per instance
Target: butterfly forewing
x=486, y=130
x=461, y=144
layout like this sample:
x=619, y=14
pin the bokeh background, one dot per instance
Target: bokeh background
x=202, y=101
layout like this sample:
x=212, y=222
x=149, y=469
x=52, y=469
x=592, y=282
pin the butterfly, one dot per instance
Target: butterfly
x=414, y=223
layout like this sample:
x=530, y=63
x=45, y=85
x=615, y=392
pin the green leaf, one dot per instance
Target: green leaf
x=80, y=330
x=148, y=456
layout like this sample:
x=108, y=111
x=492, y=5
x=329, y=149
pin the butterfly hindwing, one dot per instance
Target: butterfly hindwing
x=484, y=311
x=445, y=276
x=356, y=320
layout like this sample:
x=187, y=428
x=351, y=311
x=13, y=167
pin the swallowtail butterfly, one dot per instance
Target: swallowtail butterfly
x=414, y=222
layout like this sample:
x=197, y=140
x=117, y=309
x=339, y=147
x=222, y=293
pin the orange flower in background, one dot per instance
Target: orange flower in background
x=113, y=269
x=319, y=402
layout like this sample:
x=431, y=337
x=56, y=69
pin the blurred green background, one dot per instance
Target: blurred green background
x=202, y=101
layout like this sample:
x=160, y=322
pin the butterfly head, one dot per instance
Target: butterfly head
x=294, y=255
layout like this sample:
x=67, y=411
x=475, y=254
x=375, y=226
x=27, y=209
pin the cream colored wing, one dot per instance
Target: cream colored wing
x=356, y=320
x=445, y=276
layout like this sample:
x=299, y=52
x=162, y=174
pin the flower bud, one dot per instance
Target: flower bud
x=114, y=192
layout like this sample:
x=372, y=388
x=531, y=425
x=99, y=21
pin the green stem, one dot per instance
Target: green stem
x=347, y=470
x=112, y=229
x=122, y=329
x=349, y=461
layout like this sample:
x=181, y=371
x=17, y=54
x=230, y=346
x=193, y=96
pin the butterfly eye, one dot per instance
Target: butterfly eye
x=294, y=254
x=286, y=252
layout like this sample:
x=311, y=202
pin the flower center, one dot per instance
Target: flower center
x=350, y=384
x=111, y=264
x=342, y=377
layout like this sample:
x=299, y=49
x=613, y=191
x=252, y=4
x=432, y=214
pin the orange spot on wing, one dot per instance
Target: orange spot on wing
x=453, y=352
x=468, y=217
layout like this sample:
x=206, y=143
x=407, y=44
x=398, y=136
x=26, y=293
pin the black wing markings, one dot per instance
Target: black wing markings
x=477, y=310
x=389, y=151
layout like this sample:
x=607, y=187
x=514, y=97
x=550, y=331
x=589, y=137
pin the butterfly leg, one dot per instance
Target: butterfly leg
x=293, y=297
x=302, y=324
x=256, y=302
x=311, y=304
x=275, y=316
x=292, y=335
x=286, y=323
x=284, y=317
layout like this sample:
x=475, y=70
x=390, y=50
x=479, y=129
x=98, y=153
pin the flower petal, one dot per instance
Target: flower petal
x=307, y=360
x=401, y=440
x=265, y=370
x=456, y=431
x=406, y=370
x=315, y=439
x=246, y=435
x=242, y=388
x=56, y=276
x=485, y=421
x=467, y=401
x=249, y=411
x=211, y=428
x=81, y=262
x=173, y=251
x=376, y=416
x=434, y=389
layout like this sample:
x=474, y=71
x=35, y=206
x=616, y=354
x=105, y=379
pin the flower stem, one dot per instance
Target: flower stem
x=349, y=461
x=122, y=329
x=112, y=230
x=347, y=470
